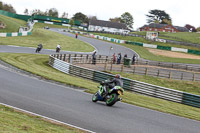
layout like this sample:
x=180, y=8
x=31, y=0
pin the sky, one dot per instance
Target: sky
x=182, y=12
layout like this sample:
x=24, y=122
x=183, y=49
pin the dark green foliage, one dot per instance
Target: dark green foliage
x=81, y=17
x=158, y=16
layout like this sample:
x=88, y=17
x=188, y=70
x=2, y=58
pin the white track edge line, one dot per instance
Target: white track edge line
x=54, y=120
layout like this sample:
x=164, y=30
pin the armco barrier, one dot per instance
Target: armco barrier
x=132, y=85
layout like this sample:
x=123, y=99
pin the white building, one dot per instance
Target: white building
x=107, y=26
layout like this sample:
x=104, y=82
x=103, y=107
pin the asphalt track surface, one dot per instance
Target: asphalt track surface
x=75, y=107
x=102, y=47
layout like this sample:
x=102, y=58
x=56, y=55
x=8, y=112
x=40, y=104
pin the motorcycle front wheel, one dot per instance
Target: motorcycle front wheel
x=112, y=99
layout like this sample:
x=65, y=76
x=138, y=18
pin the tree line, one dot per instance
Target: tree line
x=7, y=7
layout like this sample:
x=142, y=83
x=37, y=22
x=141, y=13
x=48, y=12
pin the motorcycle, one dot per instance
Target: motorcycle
x=57, y=50
x=111, y=98
x=38, y=49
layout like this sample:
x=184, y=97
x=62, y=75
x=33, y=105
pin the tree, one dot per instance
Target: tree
x=81, y=17
x=190, y=28
x=8, y=8
x=53, y=12
x=71, y=22
x=127, y=19
x=1, y=5
x=26, y=11
x=116, y=19
x=37, y=12
x=92, y=18
x=158, y=16
x=64, y=15
x=198, y=29
x=166, y=21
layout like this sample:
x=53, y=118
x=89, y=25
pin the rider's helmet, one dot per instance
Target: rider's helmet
x=118, y=76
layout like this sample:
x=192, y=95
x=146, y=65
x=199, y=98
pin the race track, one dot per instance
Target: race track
x=75, y=107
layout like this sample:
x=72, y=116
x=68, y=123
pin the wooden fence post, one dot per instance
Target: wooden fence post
x=105, y=67
x=69, y=58
x=111, y=66
x=158, y=73
x=181, y=76
x=170, y=75
x=146, y=71
x=122, y=68
x=134, y=69
x=64, y=57
x=193, y=77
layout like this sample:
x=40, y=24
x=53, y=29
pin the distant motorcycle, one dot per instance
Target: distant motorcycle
x=57, y=50
x=39, y=48
x=111, y=98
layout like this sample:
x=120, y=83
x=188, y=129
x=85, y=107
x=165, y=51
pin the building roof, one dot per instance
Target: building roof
x=182, y=29
x=108, y=24
x=154, y=25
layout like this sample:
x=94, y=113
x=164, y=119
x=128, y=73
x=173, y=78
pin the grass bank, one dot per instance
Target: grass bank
x=37, y=64
x=12, y=24
x=191, y=37
x=49, y=39
x=13, y=121
x=144, y=53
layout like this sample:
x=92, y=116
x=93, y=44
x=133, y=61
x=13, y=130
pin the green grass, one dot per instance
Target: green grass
x=179, y=36
x=49, y=39
x=12, y=24
x=12, y=121
x=37, y=64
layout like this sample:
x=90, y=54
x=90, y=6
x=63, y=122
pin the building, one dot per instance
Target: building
x=163, y=28
x=107, y=26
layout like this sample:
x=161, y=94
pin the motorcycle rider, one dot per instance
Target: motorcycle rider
x=39, y=48
x=117, y=81
x=58, y=48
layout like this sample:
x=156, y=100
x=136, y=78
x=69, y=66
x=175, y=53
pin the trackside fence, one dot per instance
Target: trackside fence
x=131, y=85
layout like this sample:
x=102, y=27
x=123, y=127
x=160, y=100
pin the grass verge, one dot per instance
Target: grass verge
x=37, y=64
x=49, y=39
x=179, y=36
x=13, y=121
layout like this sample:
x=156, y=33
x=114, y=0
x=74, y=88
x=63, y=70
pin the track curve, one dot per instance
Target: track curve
x=75, y=107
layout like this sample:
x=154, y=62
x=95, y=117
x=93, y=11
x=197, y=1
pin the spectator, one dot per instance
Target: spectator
x=133, y=59
x=119, y=58
x=76, y=35
x=94, y=58
x=125, y=56
x=114, y=58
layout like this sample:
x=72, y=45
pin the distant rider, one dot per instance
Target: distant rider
x=39, y=48
x=58, y=48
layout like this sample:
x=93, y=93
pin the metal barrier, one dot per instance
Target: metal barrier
x=132, y=85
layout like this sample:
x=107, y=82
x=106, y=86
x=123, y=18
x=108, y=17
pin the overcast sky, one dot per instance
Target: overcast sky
x=181, y=11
